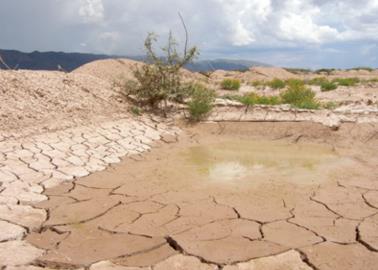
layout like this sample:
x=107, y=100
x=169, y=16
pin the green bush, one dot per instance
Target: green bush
x=325, y=70
x=231, y=84
x=160, y=81
x=347, y=81
x=295, y=83
x=298, y=95
x=136, y=111
x=277, y=84
x=201, y=101
x=246, y=99
x=362, y=68
x=268, y=100
x=253, y=99
x=318, y=81
x=328, y=86
x=373, y=80
x=257, y=83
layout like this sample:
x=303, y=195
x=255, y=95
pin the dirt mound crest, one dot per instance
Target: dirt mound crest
x=268, y=73
x=111, y=70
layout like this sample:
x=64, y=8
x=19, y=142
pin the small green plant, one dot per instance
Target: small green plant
x=136, y=111
x=257, y=83
x=268, y=100
x=373, y=80
x=318, y=81
x=328, y=71
x=201, y=101
x=362, y=68
x=330, y=105
x=295, y=82
x=231, y=84
x=347, y=81
x=327, y=86
x=277, y=84
x=298, y=95
x=254, y=99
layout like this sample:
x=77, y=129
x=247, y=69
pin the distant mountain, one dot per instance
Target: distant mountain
x=224, y=64
x=47, y=60
x=70, y=61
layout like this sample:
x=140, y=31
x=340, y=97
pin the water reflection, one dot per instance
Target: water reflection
x=233, y=160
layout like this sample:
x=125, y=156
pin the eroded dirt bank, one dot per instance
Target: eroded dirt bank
x=224, y=196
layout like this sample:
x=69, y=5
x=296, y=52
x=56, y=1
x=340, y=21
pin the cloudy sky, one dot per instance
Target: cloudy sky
x=296, y=33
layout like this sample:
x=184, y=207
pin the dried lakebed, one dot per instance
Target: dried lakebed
x=224, y=196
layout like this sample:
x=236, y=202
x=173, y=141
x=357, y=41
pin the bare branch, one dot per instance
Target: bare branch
x=3, y=62
x=186, y=34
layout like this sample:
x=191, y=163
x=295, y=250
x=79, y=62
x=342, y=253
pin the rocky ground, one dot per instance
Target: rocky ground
x=86, y=185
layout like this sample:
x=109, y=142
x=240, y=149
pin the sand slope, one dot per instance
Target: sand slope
x=45, y=100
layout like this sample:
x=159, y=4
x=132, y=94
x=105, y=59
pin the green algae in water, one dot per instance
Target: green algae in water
x=230, y=160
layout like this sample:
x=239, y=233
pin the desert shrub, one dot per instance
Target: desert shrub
x=231, y=84
x=201, y=101
x=295, y=82
x=373, y=80
x=318, y=81
x=327, y=86
x=268, y=100
x=247, y=99
x=325, y=70
x=135, y=110
x=257, y=83
x=277, y=84
x=362, y=68
x=254, y=99
x=347, y=81
x=298, y=95
x=160, y=81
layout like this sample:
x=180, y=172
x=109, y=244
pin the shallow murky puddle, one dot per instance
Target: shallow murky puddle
x=256, y=159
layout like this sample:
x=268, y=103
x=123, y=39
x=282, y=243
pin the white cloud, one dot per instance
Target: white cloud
x=302, y=28
x=218, y=27
x=240, y=23
x=92, y=11
x=241, y=36
x=244, y=18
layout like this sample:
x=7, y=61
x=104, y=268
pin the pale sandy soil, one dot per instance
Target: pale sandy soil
x=40, y=101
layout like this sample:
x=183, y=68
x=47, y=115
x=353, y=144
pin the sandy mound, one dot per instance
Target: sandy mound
x=111, y=70
x=219, y=75
x=267, y=73
x=254, y=74
x=361, y=73
x=35, y=101
x=121, y=70
x=42, y=100
x=189, y=76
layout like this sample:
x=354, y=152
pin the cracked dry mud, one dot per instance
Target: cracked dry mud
x=225, y=196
